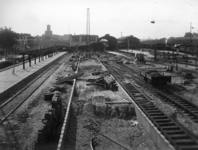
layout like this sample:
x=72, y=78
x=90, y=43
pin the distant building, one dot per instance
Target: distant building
x=22, y=39
x=65, y=37
x=27, y=42
x=48, y=33
x=128, y=42
x=80, y=40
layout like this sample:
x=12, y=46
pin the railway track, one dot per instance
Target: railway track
x=166, y=95
x=61, y=142
x=19, y=98
x=177, y=136
x=179, y=62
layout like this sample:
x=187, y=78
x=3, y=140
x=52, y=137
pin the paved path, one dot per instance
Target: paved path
x=8, y=78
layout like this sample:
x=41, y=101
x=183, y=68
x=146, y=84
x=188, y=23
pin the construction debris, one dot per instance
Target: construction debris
x=59, y=88
x=96, y=72
x=52, y=119
x=134, y=122
x=105, y=81
x=48, y=96
x=69, y=78
x=140, y=58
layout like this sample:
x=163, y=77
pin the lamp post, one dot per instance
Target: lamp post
x=190, y=33
x=13, y=71
x=128, y=45
x=176, y=59
x=191, y=37
x=155, y=48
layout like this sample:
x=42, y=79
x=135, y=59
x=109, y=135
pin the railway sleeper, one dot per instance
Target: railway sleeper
x=163, y=121
x=179, y=136
x=195, y=110
x=174, y=132
x=153, y=111
x=145, y=104
x=166, y=124
x=149, y=107
x=136, y=94
x=174, y=127
x=143, y=100
x=185, y=142
x=189, y=107
x=191, y=147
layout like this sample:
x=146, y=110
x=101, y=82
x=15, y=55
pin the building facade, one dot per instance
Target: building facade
x=81, y=40
x=48, y=33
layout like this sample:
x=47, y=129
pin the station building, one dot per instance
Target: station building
x=128, y=42
x=80, y=40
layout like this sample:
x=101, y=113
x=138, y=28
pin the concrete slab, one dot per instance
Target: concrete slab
x=8, y=78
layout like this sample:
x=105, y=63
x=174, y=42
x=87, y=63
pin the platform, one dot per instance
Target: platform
x=8, y=78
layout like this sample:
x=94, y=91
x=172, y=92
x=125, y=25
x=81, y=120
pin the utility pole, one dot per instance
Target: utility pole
x=190, y=34
x=88, y=30
x=128, y=45
x=191, y=38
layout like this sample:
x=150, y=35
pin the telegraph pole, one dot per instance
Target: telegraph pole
x=190, y=34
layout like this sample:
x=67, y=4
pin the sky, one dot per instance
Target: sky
x=115, y=17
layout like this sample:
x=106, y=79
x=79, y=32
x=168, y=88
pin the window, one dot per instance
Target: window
x=84, y=38
x=92, y=38
x=75, y=38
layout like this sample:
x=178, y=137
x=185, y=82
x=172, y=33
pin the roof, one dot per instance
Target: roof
x=109, y=38
x=83, y=35
x=127, y=37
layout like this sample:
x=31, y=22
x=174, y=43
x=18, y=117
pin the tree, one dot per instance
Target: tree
x=188, y=34
x=195, y=34
x=8, y=39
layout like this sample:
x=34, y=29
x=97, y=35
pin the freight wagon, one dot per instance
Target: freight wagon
x=155, y=77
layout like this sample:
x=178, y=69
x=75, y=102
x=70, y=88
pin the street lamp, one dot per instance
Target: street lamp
x=190, y=36
x=176, y=58
x=13, y=71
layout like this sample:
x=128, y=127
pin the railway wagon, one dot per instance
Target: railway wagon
x=155, y=77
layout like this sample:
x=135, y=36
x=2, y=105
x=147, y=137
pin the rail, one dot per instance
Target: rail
x=174, y=134
x=37, y=81
x=167, y=96
x=67, y=116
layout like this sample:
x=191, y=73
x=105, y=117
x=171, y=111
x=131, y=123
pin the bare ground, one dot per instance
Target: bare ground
x=91, y=117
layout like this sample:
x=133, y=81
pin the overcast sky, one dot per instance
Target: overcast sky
x=131, y=17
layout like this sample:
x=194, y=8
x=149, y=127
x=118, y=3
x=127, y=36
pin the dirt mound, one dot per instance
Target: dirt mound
x=124, y=111
x=91, y=125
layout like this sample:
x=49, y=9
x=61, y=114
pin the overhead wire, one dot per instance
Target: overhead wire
x=178, y=8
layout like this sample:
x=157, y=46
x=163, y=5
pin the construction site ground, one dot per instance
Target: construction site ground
x=91, y=118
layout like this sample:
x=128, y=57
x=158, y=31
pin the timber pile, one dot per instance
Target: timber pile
x=105, y=81
x=69, y=79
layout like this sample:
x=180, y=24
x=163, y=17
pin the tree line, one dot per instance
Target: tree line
x=8, y=39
